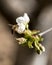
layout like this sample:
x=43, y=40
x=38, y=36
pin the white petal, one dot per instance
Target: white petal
x=21, y=28
x=20, y=20
x=26, y=17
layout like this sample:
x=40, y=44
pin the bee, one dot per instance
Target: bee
x=14, y=28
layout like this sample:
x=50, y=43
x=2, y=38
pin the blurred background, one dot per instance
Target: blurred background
x=40, y=13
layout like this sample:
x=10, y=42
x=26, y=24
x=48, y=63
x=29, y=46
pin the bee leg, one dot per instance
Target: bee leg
x=13, y=32
x=10, y=25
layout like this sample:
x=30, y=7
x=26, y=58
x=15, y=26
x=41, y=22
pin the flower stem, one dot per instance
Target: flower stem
x=46, y=31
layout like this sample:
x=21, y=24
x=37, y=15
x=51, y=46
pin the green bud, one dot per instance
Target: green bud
x=34, y=32
x=30, y=44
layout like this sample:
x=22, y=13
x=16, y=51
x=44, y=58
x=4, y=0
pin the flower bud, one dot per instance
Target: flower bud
x=21, y=40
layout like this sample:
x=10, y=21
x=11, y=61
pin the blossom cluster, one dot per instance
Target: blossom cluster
x=30, y=38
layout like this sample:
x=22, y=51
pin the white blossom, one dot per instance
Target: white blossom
x=21, y=28
x=23, y=19
x=22, y=23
